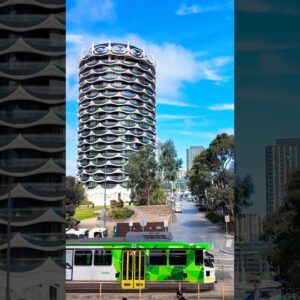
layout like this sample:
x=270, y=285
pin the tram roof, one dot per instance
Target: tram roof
x=121, y=243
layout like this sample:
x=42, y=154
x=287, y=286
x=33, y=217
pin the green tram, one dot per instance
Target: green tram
x=134, y=263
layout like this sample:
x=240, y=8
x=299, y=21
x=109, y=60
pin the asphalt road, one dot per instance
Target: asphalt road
x=192, y=226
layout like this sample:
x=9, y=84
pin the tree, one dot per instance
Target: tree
x=282, y=228
x=75, y=194
x=141, y=168
x=210, y=176
x=168, y=162
x=243, y=188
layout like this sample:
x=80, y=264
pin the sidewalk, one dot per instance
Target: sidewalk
x=228, y=246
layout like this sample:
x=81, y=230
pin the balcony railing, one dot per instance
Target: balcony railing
x=22, y=116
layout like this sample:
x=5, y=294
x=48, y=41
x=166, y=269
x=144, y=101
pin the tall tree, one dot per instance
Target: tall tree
x=168, y=162
x=142, y=168
x=282, y=228
x=75, y=194
x=210, y=175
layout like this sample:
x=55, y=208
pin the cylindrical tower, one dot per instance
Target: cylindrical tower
x=116, y=116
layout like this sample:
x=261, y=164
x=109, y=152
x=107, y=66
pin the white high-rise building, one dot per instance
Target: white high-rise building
x=116, y=116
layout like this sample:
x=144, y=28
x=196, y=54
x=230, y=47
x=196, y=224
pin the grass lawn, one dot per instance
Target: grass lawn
x=83, y=212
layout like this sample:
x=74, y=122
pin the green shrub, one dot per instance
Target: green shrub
x=120, y=203
x=120, y=213
x=201, y=207
x=214, y=218
x=86, y=202
x=113, y=203
x=117, y=204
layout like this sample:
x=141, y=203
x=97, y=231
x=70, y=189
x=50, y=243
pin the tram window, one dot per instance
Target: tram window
x=102, y=258
x=158, y=258
x=83, y=258
x=198, y=257
x=177, y=257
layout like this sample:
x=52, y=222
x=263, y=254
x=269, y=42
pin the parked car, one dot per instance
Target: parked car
x=178, y=207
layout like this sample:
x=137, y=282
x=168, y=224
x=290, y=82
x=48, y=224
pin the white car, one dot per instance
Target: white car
x=77, y=233
x=178, y=207
x=98, y=233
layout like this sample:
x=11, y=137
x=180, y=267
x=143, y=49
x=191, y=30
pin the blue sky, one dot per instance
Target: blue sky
x=192, y=43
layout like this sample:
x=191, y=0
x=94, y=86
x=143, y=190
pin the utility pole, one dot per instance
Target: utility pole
x=8, y=248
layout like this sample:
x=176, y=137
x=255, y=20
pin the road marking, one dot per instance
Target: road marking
x=228, y=243
x=224, y=258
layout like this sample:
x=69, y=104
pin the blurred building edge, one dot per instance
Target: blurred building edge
x=32, y=148
x=281, y=160
x=250, y=261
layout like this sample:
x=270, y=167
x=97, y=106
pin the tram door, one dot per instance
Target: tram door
x=133, y=269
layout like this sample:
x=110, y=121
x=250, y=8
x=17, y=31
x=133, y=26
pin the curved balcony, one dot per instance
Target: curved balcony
x=109, y=138
x=99, y=131
x=99, y=116
x=98, y=161
x=109, y=123
x=101, y=101
x=118, y=161
x=118, y=146
x=128, y=123
x=91, y=154
x=90, y=170
x=22, y=116
x=6, y=139
x=21, y=215
x=136, y=102
x=46, y=189
x=21, y=165
x=119, y=130
x=99, y=146
x=44, y=92
x=46, y=240
x=98, y=177
x=109, y=154
x=23, y=20
x=128, y=108
x=84, y=177
x=119, y=101
x=108, y=185
x=46, y=141
x=84, y=162
x=128, y=138
x=136, y=131
x=117, y=177
x=126, y=153
x=128, y=78
x=46, y=45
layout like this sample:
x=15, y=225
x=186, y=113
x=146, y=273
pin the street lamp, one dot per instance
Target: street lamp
x=104, y=206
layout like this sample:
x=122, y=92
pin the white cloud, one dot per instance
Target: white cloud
x=175, y=64
x=174, y=102
x=197, y=134
x=225, y=106
x=197, y=9
x=166, y=117
x=226, y=130
x=86, y=11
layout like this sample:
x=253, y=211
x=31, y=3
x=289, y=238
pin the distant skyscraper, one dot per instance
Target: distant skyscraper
x=191, y=153
x=281, y=159
x=116, y=116
x=158, y=146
